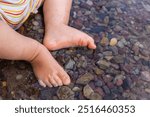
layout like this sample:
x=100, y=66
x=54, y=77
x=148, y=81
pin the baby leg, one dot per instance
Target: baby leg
x=57, y=33
x=14, y=46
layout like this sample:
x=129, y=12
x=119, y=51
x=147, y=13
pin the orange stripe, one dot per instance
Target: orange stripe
x=11, y=3
x=12, y=13
x=8, y=21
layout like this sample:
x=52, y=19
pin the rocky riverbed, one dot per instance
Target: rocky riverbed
x=118, y=69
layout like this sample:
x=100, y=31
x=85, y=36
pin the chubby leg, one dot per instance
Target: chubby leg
x=57, y=33
x=14, y=46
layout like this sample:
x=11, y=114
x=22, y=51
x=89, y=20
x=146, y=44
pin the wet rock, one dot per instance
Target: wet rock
x=147, y=90
x=98, y=71
x=107, y=78
x=117, y=28
x=120, y=44
x=98, y=83
x=106, y=20
x=95, y=96
x=145, y=75
x=147, y=28
x=104, y=41
x=118, y=59
x=136, y=49
x=99, y=91
x=113, y=42
x=116, y=66
x=41, y=31
x=146, y=6
x=65, y=93
x=76, y=89
x=82, y=62
x=108, y=58
x=112, y=71
x=114, y=49
x=127, y=84
x=136, y=58
x=119, y=82
x=70, y=64
x=35, y=23
x=136, y=71
x=38, y=17
x=103, y=64
x=107, y=53
x=19, y=77
x=110, y=85
x=89, y=2
x=87, y=91
x=90, y=94
x=85, y=79
x=106, y=90
x=144, y=52
x=139, y=44
x=120, y=76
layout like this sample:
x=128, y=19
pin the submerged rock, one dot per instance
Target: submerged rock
x=145, y=75
x=85, y=79
x=103, y=64
x=113, y=42
x=70, y=64
x=87, y=91
x=104, y=41
x=90, y=94
x=65, y=93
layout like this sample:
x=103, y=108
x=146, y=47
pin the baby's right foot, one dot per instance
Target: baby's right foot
x=47, y=70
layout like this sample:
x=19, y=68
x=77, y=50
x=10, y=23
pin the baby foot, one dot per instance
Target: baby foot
x=63, y=36
x=47, y=70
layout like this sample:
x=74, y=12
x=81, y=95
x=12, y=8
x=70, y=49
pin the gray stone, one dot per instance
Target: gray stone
x=85, y=79
x=38, y=17
x=89, y=2
x=107, y=53
x=98, y=71
x=106, y=20
x=106, y=89
x=144, y=52
x=95, y=96
x=116, y=66
x=41, y=31
x=76, y=89
x=87, y=91
x=19, y=77
x=103, y=64
x=35, y=23
x=70, y=64
x=98, y=83
x=65, y=93
x=119, y=59
x=136, y=49
x=145, y=75
x=120, y=44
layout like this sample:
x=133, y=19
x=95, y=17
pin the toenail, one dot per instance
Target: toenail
x=42, y=83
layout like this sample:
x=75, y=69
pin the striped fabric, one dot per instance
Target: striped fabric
x=15, y=12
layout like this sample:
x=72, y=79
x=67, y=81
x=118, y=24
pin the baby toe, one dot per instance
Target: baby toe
x=65, y=78
x=58, y=80
x=91, y=43
x=42, y=83
x=53, y=81
x=48, y=83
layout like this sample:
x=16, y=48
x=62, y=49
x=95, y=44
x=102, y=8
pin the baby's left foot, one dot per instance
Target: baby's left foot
x=63, y=36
